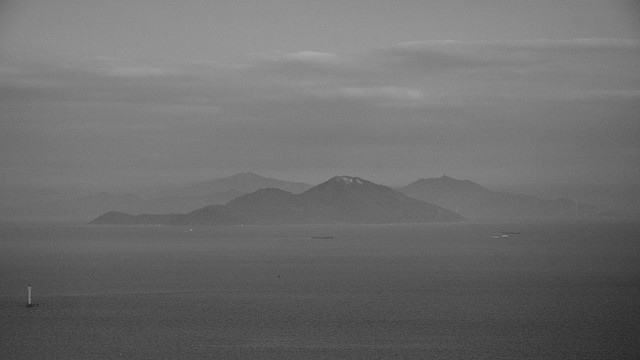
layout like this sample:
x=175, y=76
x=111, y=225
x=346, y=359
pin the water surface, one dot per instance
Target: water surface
x=556, y=291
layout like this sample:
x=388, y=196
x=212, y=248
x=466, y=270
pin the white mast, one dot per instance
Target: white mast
x=29, y=295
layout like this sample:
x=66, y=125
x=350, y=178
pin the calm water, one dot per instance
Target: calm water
x=563, y=291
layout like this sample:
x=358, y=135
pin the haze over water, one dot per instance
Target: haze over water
x=138, y=98
x=555, y=291
x=123, y=94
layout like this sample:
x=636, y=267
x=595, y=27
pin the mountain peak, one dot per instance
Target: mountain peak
x=341, y=199
x=350, y=180
x=245, y=183
x=435, y=189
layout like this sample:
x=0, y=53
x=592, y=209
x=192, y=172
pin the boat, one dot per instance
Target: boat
x=511, y=233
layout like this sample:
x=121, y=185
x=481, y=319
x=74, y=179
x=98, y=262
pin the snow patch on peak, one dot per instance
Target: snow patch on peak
x=349, y=180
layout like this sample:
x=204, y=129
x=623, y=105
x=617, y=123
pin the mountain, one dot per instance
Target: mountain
x=623, y=200
x=38, y=205
x=243, y=183
x=268, y=206
x=355, y=200
x=208, y=215
x=216, y=191
x=71, y=207
x=341, y=199
x=476, y=202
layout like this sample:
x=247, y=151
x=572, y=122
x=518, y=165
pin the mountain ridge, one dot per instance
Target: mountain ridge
x=479, y=203
x=245, y=182
x=341, y=199
x=462, y=196
x=176, y=199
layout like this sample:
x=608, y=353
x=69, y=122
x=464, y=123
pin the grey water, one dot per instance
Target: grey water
x=554, y=291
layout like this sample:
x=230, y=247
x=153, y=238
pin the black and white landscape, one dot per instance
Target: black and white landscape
x=464, y=197
x=139, y=117
x=345, y=199
x=319, y=179
x=341, y=199
x=477, y=202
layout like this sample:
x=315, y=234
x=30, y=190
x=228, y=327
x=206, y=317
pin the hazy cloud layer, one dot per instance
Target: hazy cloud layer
x=546, y=110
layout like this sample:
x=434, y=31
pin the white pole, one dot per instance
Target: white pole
x=29, y=292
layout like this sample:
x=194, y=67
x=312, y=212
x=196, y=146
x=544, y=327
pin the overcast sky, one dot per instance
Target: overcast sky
x=121, y=92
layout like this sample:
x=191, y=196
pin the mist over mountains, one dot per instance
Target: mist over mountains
x=479, y=203
x=242, y=183
x=463, y=197
x=341, y=199
x=52, y=205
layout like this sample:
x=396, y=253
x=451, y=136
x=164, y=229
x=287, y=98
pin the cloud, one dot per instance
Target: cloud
x=414, y=70
x=382, y=93
x=311, y=57
x=440, y=106
x=501, y=53
x=140, y=71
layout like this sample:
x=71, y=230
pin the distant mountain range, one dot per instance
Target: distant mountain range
x=463, y=197
x=36, y=205
x=342, y=199
x=476, y=202
x=242, y=183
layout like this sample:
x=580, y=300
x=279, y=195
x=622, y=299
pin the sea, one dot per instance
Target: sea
x=425, y=291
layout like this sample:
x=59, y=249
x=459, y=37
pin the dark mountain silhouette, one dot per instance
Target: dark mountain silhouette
x=208, y=215
x=342, y=199
x=360, y=201
x=120, y=218
x=476, y=202
x=268, y=206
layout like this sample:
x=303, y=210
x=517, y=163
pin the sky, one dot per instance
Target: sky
x=118, y=93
